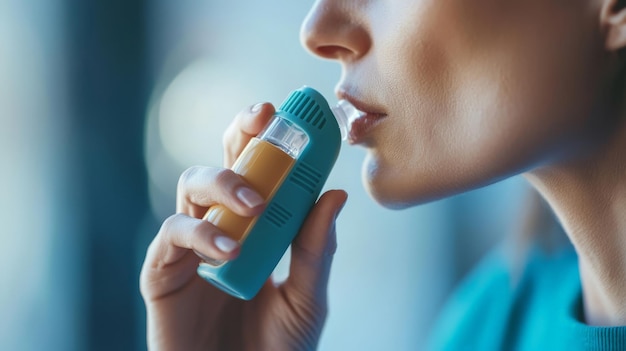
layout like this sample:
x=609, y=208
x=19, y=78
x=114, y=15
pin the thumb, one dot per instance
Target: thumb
x=313, y=249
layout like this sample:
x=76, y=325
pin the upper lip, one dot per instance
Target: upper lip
x=367, y=108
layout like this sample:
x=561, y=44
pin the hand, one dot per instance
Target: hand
x=187, y=313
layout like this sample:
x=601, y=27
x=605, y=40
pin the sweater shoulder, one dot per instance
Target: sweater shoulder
x=496, y=306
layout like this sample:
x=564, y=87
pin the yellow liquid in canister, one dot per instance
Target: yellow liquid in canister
x=264, y=167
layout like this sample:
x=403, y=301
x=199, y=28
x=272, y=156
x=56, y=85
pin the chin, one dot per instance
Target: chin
x=396, y=189
x=387, y=191
x=387, y=201
x=397, y=200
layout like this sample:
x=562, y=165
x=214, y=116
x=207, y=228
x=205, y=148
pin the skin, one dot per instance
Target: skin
x=187, y=313
x=472, y=92
x=476, y=92
x=471, y=95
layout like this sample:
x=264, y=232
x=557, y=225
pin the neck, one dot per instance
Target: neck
x=589, y=198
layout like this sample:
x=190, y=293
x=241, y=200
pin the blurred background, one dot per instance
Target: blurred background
x=104, y=103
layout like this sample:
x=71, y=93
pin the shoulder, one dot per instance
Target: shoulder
x=500, y=303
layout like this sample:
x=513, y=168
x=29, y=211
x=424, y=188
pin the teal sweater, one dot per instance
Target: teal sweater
x=541, y=309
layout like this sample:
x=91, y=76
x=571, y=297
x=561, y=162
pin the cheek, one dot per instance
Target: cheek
x=535, y=92
x=414, y=157
x=478, y=98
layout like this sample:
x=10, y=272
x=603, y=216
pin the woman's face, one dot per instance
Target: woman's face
x=462, y=93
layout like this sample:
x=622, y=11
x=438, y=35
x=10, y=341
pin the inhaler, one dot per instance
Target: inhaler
x=287, y=164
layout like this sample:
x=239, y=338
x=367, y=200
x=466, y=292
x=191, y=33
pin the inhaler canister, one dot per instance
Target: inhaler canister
x=287, y=164
x=264, y=163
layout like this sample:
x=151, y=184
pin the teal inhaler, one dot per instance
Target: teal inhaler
x=288, y=164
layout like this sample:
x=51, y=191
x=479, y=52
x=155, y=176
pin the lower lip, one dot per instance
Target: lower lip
x=362, y=126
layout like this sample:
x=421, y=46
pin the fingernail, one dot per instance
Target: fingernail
x=225, y=244
x=256, y=108
x=249, y=197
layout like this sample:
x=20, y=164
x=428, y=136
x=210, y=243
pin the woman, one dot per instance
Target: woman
x=458, y=94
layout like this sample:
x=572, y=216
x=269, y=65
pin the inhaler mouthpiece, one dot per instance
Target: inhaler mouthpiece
x=345, y=113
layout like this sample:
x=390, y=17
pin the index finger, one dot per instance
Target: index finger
x=246, y=125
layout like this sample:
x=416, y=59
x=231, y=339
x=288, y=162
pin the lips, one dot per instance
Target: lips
x=362, y=126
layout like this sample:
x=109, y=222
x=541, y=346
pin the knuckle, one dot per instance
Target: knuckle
x=225, y=178
x=186, y=176
x=169, y=223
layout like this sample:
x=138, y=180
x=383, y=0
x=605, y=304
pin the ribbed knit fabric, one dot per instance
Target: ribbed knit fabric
x=596, y=338
x=539, y=309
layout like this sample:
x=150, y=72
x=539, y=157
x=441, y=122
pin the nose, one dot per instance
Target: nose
x=334, y=30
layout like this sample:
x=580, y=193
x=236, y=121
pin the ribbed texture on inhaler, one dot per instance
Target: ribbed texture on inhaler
x=305, y=108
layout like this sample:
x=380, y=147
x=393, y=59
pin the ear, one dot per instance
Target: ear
x=613, y=19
